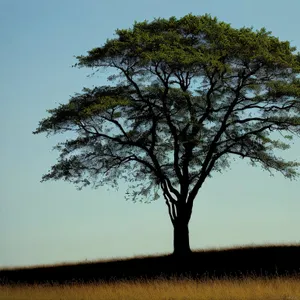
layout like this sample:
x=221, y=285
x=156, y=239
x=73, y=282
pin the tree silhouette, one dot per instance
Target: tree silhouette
x=186, y=95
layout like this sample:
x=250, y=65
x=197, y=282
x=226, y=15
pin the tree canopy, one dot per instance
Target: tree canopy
x=186, y=95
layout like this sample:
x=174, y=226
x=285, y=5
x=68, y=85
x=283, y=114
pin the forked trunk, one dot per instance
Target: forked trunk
x=181, y=239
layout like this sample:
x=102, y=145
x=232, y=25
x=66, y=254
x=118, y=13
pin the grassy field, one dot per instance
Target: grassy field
x=226, y=289
x=249, y=272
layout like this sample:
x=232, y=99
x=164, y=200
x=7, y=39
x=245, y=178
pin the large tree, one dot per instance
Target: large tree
x=186, y=95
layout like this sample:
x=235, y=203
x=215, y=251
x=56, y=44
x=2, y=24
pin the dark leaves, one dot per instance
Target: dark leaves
x=190, y=93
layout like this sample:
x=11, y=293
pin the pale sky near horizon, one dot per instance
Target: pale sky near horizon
x=45, y=223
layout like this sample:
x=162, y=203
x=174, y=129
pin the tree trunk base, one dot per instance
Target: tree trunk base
x=181, y=240
x=182, y=254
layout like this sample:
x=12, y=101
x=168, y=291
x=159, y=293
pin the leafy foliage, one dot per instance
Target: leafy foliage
x=187, y=95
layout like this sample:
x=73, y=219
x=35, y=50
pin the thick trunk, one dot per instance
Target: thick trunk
x=181, y=239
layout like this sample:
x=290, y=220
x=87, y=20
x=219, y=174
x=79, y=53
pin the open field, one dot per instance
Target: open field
x=255, y=261
x=250, y=272
x=246, y=289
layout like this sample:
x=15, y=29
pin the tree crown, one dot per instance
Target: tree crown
x=187, y=95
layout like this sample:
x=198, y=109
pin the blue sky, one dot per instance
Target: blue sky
x=44, y=223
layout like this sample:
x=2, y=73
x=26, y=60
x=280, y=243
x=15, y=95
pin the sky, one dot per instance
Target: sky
x=53, y=222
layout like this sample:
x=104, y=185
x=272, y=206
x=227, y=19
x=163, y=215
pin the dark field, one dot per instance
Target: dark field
x=235, y=263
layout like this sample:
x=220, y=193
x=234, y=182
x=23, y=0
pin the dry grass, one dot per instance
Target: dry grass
x=246, y=289
x=279, y=262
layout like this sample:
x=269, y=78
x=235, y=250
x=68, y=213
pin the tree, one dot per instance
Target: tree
x=186, y=96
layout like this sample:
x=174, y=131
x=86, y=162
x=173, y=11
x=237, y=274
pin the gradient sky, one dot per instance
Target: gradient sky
x=45, y=223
